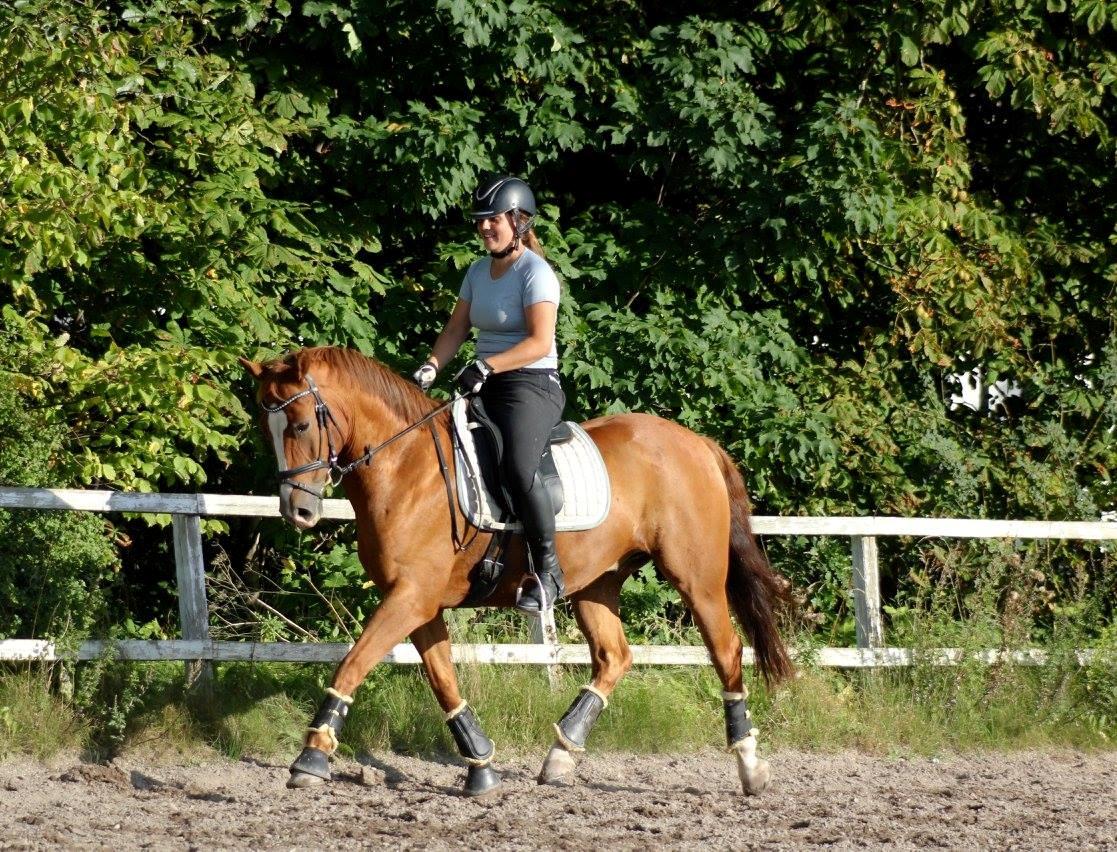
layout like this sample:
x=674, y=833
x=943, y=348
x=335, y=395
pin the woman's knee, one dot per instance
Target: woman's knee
x=519, y=475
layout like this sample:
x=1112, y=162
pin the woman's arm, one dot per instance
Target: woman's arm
x=453, y=335
x=540, y=320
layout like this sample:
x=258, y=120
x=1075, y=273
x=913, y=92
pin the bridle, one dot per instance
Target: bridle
x=338, y=471
x=332, y=461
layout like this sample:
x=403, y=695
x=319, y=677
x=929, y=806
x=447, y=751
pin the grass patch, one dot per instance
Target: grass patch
x=931, y=709
x=262, y=710
x=652, y=711
x=275, y=725
x=35, y=721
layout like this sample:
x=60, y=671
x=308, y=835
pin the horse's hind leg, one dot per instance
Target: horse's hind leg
x=433, y=643
x=596, y=609
x=704, y=591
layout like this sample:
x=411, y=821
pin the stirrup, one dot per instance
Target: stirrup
x=543, y=596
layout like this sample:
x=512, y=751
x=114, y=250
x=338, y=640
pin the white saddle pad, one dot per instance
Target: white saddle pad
x=587, y=495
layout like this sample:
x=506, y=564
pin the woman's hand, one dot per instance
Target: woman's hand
x=473, y=376
x=424, y=377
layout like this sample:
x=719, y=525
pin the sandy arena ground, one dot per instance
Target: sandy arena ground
x=1030, y=800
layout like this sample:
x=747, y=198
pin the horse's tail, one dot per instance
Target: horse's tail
x=757, y=593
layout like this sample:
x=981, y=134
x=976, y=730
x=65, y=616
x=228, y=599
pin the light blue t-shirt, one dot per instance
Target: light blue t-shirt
x=496, y=308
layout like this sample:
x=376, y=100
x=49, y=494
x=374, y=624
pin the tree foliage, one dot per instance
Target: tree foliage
x=788, y=226
x=56, y=568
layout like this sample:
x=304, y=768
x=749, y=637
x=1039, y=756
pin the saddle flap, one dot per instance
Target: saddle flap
x=489, y=448
x=488, y=445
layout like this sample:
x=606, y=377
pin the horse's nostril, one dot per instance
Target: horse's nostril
x=304, y=514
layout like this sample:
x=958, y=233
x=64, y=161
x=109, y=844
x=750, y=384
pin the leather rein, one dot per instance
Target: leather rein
x=332, y=462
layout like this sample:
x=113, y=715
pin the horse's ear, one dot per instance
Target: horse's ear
x=255, y=370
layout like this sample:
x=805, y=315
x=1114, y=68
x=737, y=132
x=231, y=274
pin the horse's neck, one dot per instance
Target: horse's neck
x=394, y=473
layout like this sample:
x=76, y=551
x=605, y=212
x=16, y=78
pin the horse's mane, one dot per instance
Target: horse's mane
x=401, y=397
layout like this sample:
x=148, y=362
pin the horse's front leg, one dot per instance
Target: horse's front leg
x=403, y=610
x=475, y=747
x=596, y=609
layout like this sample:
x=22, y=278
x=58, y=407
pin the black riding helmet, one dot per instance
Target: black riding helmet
x=505, y=194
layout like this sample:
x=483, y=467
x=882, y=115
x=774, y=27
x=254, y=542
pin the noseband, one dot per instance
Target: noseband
x=331, y=463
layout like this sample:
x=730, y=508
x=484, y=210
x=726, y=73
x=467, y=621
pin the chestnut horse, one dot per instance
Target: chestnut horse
x=678, y=499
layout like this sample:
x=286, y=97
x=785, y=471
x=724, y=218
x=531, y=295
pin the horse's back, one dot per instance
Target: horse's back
x=647, y=451
x=642, y=430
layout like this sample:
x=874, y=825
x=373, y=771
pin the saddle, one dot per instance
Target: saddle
x=571, y=468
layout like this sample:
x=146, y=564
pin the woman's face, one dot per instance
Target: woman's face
x=496, y=232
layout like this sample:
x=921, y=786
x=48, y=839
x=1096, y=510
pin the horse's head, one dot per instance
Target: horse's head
x=301, y=428
x=321, y=407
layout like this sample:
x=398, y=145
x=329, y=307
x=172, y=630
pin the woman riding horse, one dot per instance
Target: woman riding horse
x=512, y=297
x=677, y=499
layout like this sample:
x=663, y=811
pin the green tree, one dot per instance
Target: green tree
x=55, y=567
x=811, y=217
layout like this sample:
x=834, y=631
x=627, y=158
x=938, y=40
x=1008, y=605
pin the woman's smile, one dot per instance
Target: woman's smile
x=495, y=232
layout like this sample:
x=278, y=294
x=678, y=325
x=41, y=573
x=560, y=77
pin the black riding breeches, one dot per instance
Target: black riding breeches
x=525, y=405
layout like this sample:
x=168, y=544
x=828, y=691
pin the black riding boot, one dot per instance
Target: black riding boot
x=537, y=514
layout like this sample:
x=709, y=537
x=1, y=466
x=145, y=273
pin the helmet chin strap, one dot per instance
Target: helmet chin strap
x=512, y=246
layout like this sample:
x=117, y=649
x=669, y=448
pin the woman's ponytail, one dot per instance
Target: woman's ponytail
x=529, y=239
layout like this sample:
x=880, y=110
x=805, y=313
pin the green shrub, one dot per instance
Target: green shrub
x=54, y=566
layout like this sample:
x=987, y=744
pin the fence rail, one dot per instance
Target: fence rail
x=502, y=653
x=199, y=650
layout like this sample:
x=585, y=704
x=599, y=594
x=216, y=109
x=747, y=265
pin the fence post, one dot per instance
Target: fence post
x=866, y=592
x=544, y=632
x=193, y=610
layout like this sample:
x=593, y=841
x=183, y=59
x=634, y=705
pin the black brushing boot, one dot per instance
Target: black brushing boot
x=539, y=593
x=312, y=766
x=476, y=748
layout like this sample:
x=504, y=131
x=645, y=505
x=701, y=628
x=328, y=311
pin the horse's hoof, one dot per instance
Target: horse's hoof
x=311, y=768
x=481, y=781
x=558, y=768
x=301, y=780
x=755, y=780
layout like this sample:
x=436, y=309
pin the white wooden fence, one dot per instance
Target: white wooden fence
x=198, y=649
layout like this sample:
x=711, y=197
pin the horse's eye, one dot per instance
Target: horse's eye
x=301, y=427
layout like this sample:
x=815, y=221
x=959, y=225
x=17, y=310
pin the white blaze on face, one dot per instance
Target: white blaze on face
x=277, y=422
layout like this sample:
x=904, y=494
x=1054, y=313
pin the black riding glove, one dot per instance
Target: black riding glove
x=473, y=376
